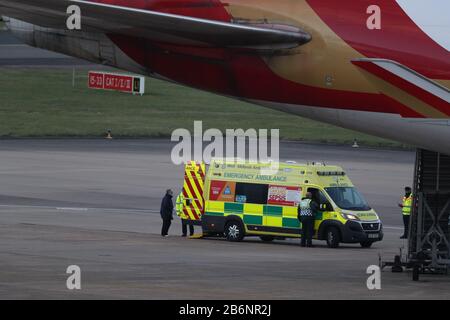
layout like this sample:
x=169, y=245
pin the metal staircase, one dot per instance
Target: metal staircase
x=429, y=238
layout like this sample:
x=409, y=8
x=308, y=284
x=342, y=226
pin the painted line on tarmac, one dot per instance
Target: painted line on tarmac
x=392, y=227
x=12, y=206
x=128, y=210
x=72, y=209
x=124, y=210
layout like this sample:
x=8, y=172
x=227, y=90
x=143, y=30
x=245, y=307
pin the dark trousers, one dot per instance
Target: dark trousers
x=184, y=224
x=406, y=224
x=165, y=226
x=307, y=230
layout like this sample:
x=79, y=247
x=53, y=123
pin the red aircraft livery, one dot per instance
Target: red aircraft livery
x=377, y=66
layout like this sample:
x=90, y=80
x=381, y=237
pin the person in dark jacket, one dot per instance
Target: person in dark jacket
x=166, y=212
x=307, y=211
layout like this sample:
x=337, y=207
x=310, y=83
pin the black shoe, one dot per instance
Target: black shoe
x=183, y=235
x=303, y=245
x=403, y=237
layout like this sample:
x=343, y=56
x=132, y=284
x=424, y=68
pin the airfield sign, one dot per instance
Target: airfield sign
x=116, y=82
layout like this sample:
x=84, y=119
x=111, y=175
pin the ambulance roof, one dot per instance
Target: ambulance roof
x=278, y=173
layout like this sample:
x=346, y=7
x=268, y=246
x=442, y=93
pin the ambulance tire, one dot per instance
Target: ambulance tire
x=333, y=237
x=366, y=244
x=267, y=238
x=234, y=231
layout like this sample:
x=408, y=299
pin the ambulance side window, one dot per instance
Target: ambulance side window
x=319, y=196
x=251, y=193
x=323, y=199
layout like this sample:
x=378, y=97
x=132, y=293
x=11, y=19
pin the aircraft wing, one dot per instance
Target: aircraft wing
x=426, y=97
x=156, y=25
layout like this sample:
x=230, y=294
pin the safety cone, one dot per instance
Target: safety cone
x=109, y=136
x=355, y=144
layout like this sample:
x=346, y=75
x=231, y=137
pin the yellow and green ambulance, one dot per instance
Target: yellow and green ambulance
x=236, y=199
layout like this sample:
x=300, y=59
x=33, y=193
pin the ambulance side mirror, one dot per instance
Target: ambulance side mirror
x=188, y=202
x=326, y=207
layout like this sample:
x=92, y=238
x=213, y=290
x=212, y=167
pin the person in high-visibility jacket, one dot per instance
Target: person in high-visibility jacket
x=307, y=211
x=180, y=213
x=406, y=206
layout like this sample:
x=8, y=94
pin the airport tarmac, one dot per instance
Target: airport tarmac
x=95, y=204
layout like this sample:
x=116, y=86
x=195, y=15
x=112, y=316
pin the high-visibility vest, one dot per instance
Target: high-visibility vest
x=179, y=205
x=305, y=208
x=407, y=204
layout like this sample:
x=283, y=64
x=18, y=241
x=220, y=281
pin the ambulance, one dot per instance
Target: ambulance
x=237, y=199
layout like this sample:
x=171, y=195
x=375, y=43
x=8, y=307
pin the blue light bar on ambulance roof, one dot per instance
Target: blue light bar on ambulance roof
x=330, y=173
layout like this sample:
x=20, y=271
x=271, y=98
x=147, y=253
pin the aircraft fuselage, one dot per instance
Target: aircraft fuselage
x=377, y=66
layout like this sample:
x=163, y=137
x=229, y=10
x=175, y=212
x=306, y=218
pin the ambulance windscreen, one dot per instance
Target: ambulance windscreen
x=348, y=198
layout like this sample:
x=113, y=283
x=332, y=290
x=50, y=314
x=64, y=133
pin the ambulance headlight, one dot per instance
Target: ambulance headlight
x=349, y=216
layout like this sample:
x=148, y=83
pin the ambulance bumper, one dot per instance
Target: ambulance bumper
x=360, y=231
x=213, y=225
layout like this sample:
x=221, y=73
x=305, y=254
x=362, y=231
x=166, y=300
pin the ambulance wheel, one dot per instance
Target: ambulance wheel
x=234, y=231
x=366, y=244
x=333, y=237
x=267, y=238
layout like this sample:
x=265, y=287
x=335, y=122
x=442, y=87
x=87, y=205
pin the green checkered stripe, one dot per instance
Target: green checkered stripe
x=254, y=214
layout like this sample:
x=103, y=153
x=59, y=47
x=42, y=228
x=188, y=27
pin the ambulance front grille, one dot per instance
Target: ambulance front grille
x=370, y=226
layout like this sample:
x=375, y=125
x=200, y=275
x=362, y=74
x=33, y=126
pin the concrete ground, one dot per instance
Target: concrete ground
x=94, y=203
